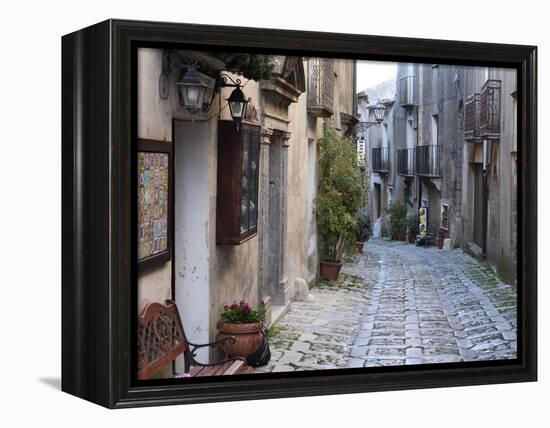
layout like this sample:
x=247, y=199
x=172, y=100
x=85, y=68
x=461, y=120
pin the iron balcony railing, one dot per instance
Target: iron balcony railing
x=320, y=92
x=405, y=162
x=428, y=160
x=381, y=159
x=471, y=118
x=489, y=112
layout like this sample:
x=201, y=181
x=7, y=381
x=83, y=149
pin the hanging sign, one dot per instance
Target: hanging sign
x=423, y=221
x=361, y=152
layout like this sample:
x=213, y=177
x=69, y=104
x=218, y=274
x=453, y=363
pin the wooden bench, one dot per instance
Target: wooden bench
x=161, y=339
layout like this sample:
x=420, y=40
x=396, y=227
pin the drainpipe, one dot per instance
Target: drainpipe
x=485, y=193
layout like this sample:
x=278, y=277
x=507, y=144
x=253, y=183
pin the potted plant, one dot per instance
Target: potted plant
x=445, y=219
x=441, y=237
x=397, y=221
x=363, y=231
x=341, y=189
x=412, y=227
x=245, y=325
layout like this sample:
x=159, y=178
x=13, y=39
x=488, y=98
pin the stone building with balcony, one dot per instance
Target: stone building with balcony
x=239, y=201
x=454, y=150
x=378, y=141
x=429, y=144
x=489, y=177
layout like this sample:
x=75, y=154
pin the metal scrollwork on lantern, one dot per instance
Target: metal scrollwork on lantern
x=379, y=110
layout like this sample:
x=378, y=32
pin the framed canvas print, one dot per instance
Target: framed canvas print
x=253, y=213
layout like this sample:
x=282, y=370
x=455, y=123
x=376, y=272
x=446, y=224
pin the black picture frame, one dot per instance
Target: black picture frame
x=98, y=205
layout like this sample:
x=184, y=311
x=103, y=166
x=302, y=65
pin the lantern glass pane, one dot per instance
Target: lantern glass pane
x=236, y=108
x=192, y=95
x=379, y=113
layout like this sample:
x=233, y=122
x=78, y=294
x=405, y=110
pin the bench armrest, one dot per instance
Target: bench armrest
x=231, y=339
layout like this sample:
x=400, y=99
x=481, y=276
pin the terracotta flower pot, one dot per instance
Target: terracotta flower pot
x=359, y=245
x=248, y=338
x=331, y=270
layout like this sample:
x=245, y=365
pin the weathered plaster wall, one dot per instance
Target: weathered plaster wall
x=191, y=159
x=155, y=122
x=233, y=268
x=209, y=276
x=223, y=273
x=440, y=98
x=502, y=178
x=297, y=196
x=380, y=136
x=503, y=181
x=473, y=78
x=314, y=131
x=344, y=91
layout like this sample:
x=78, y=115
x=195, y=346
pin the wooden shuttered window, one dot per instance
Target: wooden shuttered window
x=237, y=192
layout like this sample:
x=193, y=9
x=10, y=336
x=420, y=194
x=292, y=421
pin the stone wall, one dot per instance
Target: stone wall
x=440, y=98
x=501, y=179
x=208, y=276
x=155, y=122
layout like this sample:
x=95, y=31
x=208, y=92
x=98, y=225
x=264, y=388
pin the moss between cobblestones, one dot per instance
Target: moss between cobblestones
x=344, y=281
x=274, y=331
x=458, y=279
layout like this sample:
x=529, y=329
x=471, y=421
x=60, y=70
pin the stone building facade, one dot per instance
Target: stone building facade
x=379, y=143
x=489, y=175
x=467, y=183
x=290, y=112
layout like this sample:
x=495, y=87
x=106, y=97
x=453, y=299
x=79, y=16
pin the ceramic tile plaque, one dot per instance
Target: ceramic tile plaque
x=153, y=182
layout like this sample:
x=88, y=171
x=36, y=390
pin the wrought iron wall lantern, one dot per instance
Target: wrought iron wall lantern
x=192, y=90
x=379, y=113
x=196, y=91
x=237, y=101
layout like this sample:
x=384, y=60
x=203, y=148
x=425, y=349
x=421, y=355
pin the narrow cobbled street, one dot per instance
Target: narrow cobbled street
x=399, y=304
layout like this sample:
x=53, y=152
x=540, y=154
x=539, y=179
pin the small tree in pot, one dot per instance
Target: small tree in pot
x=341, y=188
x=397, y=221
x=412, y=227
x=363, y=231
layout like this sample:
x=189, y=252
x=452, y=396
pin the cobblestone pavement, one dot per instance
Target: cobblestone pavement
x=399, y=304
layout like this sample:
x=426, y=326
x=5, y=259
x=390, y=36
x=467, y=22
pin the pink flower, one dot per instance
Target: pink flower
x=246, y=308
x=234, y=305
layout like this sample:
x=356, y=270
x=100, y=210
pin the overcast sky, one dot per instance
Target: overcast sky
x=371, y=73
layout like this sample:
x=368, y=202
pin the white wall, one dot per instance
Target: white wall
x=191, y=231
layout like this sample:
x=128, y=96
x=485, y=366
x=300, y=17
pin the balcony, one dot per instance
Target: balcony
x=471, y=118
x=489, y=113
x=428, y=161
x=381, y=159
x=405, y=162
x=406, y=91
x=320, y=94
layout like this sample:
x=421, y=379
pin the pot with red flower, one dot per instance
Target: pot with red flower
x=245, y=325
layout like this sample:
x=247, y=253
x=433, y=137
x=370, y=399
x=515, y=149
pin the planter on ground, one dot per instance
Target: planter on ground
x=330, y=270
x=248, y=338
x=441, y=238
x=341, y=193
